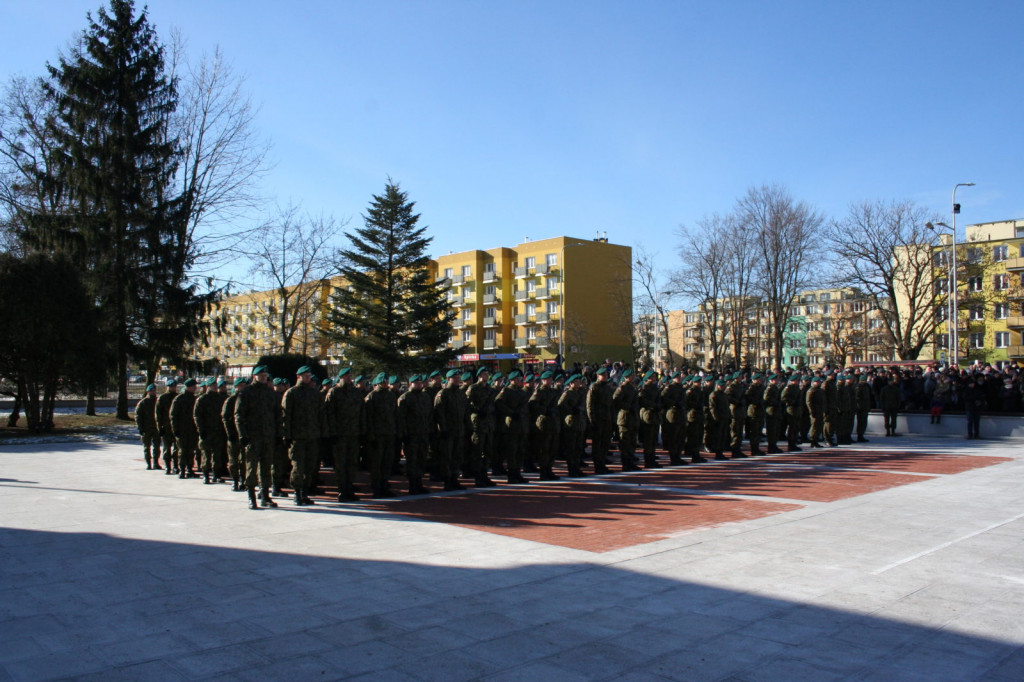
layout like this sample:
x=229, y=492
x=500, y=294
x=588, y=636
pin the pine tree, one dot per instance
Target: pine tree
x=392, y=316
x=125, y=226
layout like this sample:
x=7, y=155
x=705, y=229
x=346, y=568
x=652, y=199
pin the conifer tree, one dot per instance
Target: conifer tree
x=391, y=315
x=125, y=225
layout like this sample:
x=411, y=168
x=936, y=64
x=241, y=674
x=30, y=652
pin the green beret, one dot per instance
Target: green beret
x=602, y=370
x=649, y=375
x=151, y=387
x=451, y=373
x=190, y=382
x=359, y=379
x=222, y=381
x=261, y=369
x=626, y=373
x=435, y=373
x=379, y=379
x=305, y=369
x=279, y=380
x=675, y=374
x=720, y=382
x=482, y=370
x=240, y=380
x=815, y=379
x=393, y=379
x=547, y=374
x=326, y=382
x=514, y=374
x=344, y=371
x=466, y=376
x=171, y=382
x=497, y=375
x=574, y=377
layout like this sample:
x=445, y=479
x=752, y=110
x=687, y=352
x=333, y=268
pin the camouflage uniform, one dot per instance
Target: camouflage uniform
x=344, y=424
x=145, y=420
x=183, y=426
x=301, y=412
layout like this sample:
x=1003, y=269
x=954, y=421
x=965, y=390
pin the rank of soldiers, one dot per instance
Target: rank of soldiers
x=269, y=434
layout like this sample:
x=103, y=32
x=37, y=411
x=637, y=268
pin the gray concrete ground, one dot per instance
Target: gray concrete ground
x=109, y=571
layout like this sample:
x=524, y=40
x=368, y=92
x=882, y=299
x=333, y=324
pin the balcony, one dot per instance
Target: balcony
x=459, y=324
x=543, y=317
x=491, y=322
x=545, y=341
x=542, y=292
x=522, y=342
x=1015, y=351
x=459, y=279
x=522, y=319
x=490, y=344
x=455, y=301
x=490, y=298
x=464, y=302
x=1014, y=264
x=443, y=282
x=522, y=272
x=521, y=295
x=458, y=344
x=1015, y=321
x=542, y=269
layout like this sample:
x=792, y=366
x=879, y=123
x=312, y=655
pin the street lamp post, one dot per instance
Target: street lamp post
x=952, y=311
x=956, y=321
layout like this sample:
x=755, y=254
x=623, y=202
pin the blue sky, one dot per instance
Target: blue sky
x=513, y=120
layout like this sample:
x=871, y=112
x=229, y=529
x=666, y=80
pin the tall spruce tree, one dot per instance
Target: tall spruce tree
x=392, y=315
x=125, y=225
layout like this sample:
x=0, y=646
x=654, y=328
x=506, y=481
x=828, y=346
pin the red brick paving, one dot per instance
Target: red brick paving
x=594, y=518
x=813, y=484
x=627, y=510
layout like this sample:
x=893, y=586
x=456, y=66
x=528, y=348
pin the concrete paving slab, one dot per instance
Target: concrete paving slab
x=108, y=571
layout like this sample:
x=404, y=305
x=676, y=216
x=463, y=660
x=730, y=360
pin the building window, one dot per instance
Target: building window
x=531, y=332
x=552, y=307
x=467, y=270
x=531, y=286
x=794, y=328
x=977, y=312
x=811, y=310
x=826, y=326
x=977, y=340
x=1001, y=281
x=531, y=309
x=1000, y=253
x=974, y=284
x=1002, y=339
x=551, y=259
x=531, y=262
x=467, y=336
x=449, y=272
x=1002, y=310
x=490, y=335
x=488, y=267
x=974, y=255
x=941, y=285
x=467, y=314
x=825, y=297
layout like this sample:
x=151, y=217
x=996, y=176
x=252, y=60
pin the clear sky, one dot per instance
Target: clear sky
x=533, y=119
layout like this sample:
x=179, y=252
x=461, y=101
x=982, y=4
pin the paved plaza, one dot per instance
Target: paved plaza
x=902, y=559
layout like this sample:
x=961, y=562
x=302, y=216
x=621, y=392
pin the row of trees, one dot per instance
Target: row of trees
x=771, y=246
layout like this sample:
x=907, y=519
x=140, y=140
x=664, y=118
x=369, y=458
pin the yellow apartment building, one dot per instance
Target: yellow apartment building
x=540, y=300
x=530, y=303
x=990, y=294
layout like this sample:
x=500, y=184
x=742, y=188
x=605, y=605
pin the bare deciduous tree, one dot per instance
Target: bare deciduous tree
x=292, y=254
x=786, y=237
x=887, y=253
x=705, y=254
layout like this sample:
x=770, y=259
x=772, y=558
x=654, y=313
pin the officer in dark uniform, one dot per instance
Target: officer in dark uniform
x=480, y=401
x=696, y=403
x=602, y=418
x=344, y=424
x=450, y=418
x=381, y=420
x=302, y=429
x=212, y=437
x=183, y=426
x=513, y=422
x=862, y=404
x=145, y=420
x=163, y=422
x=236, y=464
x=774, y=413
x=673, y=418
x=572, y=408
x=754, y=399
x=649, y=399
x=415, y=423
x=793, y=404
x=543, y=406
x=626, y=404
x=816, y=409
x=721, y=418
x=259, y=428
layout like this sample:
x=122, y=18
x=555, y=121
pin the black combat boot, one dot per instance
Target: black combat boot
x=697, y=459
x=252, y=499
x=546, y=474
x=651, y=462
x=305, y=496
x=206, y=478
x=265, y=499
x=483, y=481
x=276, y=491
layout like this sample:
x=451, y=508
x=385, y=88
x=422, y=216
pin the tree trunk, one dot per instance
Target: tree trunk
x=90, y=402
x=15, y=415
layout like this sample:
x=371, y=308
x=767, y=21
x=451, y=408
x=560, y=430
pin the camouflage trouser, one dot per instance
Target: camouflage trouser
x=170, y=448
x=346, y=462
x=186, y=452
x=235, y=464
x=151, y=447
x=773, y=429
x=213, y=455
x=831, y=426
x=627, y=446
x=304, y=454
x=281, y=466
x=380, y=450
x=817, y=421
x=259, y=454
x=415, y=449
x=512, y=445
x=602, y=442
x=481, y=450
